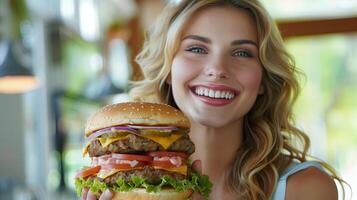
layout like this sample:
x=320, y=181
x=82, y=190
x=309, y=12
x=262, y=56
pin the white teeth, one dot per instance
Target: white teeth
x=211, y=93
x=205, y=92
x=227, y=96
x=218, y=94
x=223, y=94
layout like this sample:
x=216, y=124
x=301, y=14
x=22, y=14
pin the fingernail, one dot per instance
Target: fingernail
x=91, y=196
x=107, y=194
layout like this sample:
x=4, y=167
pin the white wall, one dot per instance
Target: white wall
x=12, y=147
x=24, y=144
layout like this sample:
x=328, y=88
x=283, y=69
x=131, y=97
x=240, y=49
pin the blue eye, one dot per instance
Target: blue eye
x=242, y=54
x=198, y=50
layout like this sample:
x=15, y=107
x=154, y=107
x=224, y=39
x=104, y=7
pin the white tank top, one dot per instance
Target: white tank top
x=279, y=193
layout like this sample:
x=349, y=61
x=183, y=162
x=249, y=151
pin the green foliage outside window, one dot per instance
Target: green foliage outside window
x=329, y=97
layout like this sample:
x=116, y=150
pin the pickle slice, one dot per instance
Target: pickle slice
x=152, y=132
x=113, y=134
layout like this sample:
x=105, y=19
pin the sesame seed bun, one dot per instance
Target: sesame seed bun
x=136, y=113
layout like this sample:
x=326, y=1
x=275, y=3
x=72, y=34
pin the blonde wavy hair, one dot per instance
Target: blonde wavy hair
x=268, y=127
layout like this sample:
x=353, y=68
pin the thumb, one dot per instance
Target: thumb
x=197, y=166
x=106, y=195
x=91, y=195
x=84, y=193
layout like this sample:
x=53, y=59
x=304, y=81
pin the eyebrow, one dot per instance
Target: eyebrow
x=207, y=40
x=240, y=42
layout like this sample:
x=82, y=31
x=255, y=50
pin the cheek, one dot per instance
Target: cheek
x=183, y=70
x=251, y=78
x=177, y=70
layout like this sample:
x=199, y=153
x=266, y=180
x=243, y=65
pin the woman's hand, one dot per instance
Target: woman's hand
x=88, y=195
x=197, y=166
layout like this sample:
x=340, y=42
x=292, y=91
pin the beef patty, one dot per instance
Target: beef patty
x=137, y=144
x=152, y=175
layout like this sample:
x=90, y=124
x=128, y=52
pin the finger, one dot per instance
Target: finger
x=196, y=196
x=197, y=166
x=84, y=193
x=91, y=196
x=106, y=195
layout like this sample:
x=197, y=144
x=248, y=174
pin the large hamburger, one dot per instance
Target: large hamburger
x=140, y=151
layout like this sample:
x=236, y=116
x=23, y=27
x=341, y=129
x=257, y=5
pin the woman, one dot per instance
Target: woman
x=224, y=65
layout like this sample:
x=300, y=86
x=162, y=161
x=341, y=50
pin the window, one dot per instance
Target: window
x=327, y=107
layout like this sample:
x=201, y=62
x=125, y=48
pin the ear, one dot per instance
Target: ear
x=168, y=79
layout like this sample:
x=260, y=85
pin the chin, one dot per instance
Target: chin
x=212, y=122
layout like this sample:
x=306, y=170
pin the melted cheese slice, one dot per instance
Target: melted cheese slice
x=85, y=150
x=104, y=142
x=166, y=141
x=182, y=169
x=107, y=141
x=106, y=173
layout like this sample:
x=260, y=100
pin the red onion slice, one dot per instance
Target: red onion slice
x=109, y=129
x=170, y=128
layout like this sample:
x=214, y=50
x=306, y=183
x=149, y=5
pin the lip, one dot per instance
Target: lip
x=212, y=101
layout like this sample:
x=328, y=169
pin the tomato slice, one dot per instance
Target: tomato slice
x=87, y=172
x=132, y=157
x=116, y=166
x=167, y=154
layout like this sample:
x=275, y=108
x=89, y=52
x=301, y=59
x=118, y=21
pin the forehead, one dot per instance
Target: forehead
x=226, y=21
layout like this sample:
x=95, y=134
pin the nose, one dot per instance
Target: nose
x=216, y=68
x=218, y=75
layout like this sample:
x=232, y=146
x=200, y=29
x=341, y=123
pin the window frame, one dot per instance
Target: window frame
x=315, y=27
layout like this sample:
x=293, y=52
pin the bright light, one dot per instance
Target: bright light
x=119, y=62
x=17, y=84
x=67, y=9
x=88, y=20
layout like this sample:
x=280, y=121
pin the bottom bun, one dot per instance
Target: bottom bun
x=141, y=194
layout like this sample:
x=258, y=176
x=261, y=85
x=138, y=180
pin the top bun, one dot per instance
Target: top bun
x=136, y=113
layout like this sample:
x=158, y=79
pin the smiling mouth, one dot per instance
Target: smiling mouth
x=213, y=93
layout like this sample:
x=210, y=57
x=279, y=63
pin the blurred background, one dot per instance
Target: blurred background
x=60, y=60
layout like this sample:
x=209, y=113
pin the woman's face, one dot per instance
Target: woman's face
x=216, y=73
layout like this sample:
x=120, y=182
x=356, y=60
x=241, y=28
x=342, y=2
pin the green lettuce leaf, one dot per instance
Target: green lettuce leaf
x=95, y=185
x=198, y=183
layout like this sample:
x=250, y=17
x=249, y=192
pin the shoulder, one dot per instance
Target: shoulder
x=311, y=184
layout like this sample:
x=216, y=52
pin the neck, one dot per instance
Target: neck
x=216, y=148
